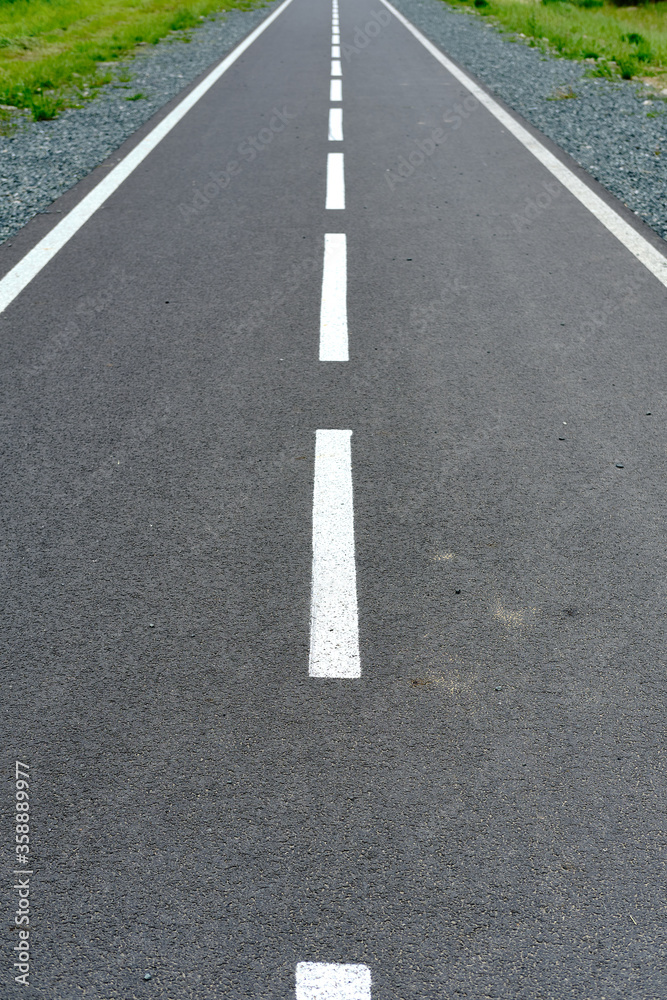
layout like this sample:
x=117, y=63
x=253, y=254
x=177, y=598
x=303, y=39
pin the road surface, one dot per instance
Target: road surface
x=334, y=549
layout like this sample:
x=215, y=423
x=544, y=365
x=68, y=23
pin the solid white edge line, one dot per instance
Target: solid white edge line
x=333, y=309
x=335, y=181
x=336, y=69
x=334, y=621
x=335, y=124
x=644, y=251
x=332, y=981
x=336, y=90
x=29, y=266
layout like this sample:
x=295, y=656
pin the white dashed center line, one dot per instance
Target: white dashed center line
x=333, y=311
x=334, y=621
x=335, y=51
x=335, y=68
x=336, y=91
x=336, y=124
x=331, y=981
x=335, y=181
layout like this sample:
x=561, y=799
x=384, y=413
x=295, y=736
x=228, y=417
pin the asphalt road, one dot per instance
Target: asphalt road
x=482, y=812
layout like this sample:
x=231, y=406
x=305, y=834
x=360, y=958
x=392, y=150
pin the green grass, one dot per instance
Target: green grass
x=51, y=51
x=622, y=41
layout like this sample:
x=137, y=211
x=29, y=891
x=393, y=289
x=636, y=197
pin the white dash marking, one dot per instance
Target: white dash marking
x=335, y=51
x=335, y=181
x=332, y=981
x=336, y=92
x=336, y=68
x=336, y=124
x=335, y=38
x=334, y=621
x=333, y=311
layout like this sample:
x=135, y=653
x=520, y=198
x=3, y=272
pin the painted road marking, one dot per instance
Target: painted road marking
x=336, y=124
x=649, y=256
x=336, y=92
x=335, y=181
x=335, y=51
x=334, y=620
x=333, y=311
x=335, y=66
x=331, y=981
x=29, y=266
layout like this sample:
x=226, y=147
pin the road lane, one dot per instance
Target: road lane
x=478, y=813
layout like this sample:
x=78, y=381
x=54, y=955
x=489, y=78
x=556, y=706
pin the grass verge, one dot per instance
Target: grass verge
x=618, y=41
x=55, y=53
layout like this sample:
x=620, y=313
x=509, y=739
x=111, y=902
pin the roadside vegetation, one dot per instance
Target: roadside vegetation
x=56, y=53
x=626, y=41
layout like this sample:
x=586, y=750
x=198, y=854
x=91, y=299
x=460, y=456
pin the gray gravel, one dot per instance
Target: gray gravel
x=608, y=128
x=43, y=159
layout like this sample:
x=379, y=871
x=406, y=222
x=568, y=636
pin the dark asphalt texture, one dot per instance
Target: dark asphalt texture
x=483, y=813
